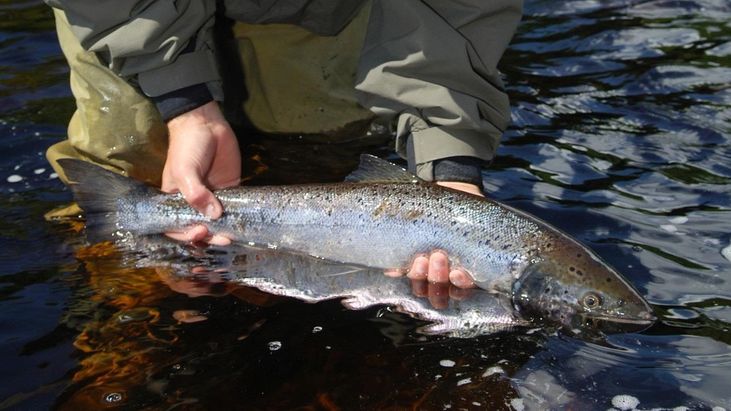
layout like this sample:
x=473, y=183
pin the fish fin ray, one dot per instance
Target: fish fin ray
x=97, y=191
x=376, y=170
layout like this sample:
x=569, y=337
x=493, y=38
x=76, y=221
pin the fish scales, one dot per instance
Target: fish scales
x=382, y=218
x=374, y=225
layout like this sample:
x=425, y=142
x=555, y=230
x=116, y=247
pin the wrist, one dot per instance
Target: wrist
x=462, y=186
x=208, y=114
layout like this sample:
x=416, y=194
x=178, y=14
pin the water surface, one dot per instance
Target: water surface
x=620, y=136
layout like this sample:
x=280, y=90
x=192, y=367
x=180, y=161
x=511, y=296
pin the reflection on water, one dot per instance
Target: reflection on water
x=622, y=117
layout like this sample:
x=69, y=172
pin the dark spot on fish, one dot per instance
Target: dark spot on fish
x=579, y=273
x=506, y=246
x=548, y=245
x=572, y=269
x=609, y=280
x=578, y=255
x=547, y=290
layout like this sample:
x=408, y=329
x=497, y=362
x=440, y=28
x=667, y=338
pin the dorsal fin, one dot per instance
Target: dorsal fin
x=376, y=170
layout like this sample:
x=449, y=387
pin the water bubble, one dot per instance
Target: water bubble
x=39, y=171
x=113, y=397
x=14, y=178
x=625, y=402
x=274, y=345
x=464, y=381
x=53, y=175
x=316, y=329
x=679, y=220
x=447, y=363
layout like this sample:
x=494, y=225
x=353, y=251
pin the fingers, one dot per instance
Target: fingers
x=438, y=267
x=419, y=268
x=199, y=234
x=435, y=268
x=461, y=279
x=200, y=197
x=439, y=294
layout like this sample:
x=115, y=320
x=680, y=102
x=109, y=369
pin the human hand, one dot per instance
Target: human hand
x=439, y=294
x=435, y=266
x=203, y=154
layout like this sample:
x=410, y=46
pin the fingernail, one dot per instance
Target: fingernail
x=438, y=263
x=210, y=210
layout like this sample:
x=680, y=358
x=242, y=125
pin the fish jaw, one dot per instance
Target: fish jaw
x=580, y=294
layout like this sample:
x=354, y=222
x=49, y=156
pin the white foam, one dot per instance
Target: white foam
x=625, y=402
x=464, y=381
x=15, y=178
x=726, y=252
x=517, y=404
x=274, y=345
x=53, y=175
x=669, y=228
x=447, y=363
x=679, y=219
x=493, y=370
x=39, y=171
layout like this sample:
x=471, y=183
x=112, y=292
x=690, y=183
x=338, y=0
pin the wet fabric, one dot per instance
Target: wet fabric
x=429, y=66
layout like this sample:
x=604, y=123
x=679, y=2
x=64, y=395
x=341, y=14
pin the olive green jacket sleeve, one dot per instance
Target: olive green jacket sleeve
x=160, y=45
x=432, y=65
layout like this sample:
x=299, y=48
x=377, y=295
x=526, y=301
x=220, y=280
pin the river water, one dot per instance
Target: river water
x=620, y=137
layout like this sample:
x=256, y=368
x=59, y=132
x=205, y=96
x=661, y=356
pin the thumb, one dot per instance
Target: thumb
x=200, y=197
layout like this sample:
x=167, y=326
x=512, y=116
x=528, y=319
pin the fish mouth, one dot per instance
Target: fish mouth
x=622, y=320
x=616, y=324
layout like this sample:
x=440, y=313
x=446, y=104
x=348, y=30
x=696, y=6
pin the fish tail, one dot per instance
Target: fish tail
x=98, y=192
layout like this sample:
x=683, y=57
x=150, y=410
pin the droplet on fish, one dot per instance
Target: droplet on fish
x=447, y=363
x=625, y=402
x=274, y=345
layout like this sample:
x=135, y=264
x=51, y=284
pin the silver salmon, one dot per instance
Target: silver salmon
x=312, y=280
x=381, y=217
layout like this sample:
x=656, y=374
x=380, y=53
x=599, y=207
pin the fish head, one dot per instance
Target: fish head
x=579, y=293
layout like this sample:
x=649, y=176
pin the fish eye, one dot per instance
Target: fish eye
x=591, y=300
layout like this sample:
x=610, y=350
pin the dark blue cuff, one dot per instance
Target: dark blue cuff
x=463, y=169
x=181, y=101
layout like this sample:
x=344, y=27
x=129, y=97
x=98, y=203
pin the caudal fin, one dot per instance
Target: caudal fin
x=98, y=191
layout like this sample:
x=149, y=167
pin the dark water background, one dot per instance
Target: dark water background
x=622, y=118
